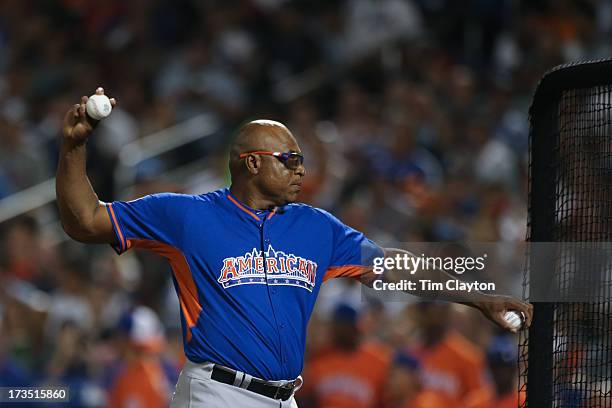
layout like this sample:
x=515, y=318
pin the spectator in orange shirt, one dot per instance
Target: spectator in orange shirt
x=349, y=375
x=502, y=358
x=404, y=388
x=451, y=366
x=142, y=382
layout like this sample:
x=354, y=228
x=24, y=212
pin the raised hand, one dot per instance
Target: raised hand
x=77, y=126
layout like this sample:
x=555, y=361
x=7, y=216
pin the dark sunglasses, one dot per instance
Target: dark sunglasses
x=291, y=160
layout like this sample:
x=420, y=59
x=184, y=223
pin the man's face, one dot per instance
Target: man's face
x=432, y=318
x=403, y=384
x=275, y=180
x=345, y=335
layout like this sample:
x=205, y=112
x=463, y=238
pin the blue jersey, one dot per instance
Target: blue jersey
x=247, y=280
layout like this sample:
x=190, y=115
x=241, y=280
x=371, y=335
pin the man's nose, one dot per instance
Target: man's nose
x=301, y=170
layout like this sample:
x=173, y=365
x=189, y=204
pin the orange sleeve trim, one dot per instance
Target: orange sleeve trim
x=122, y=242
x=348, y=271
x=233, y=200
x=188, y=292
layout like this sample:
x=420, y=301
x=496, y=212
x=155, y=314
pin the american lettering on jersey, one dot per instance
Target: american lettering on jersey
x=273, y=267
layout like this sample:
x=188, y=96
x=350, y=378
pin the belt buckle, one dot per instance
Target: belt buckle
x=289, y=387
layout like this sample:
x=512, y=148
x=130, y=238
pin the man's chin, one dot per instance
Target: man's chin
x=291, y=197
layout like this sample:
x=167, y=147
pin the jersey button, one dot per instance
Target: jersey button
x=282, y=325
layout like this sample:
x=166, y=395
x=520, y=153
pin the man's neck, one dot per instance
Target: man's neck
x=252, y=198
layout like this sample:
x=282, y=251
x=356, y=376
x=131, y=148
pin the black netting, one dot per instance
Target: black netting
x=566, y=358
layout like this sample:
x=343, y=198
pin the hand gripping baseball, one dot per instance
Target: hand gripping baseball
x=77, y=124
x=497, y=306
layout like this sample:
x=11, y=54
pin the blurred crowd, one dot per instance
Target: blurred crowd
x=413, y=119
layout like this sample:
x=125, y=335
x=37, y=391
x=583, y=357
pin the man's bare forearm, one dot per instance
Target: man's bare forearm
x=472, y=298
x=493, y=307
x=76, y=198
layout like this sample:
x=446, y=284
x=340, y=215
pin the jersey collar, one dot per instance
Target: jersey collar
x=256, y=215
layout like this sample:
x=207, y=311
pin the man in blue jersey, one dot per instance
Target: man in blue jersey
x=247, y=262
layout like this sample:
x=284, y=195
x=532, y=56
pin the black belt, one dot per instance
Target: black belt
x=228, y=376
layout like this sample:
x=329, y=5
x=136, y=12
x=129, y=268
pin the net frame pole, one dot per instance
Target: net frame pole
x=542, y=220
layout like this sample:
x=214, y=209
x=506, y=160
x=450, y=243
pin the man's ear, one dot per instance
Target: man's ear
x=253, y=163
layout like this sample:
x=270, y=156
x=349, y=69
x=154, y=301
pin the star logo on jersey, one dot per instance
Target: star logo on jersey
x=273, y=268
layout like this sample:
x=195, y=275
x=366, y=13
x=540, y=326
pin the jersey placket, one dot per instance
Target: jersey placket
x=260, y=219
x=272, y=291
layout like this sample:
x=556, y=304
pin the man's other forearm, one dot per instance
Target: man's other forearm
x=472, y=298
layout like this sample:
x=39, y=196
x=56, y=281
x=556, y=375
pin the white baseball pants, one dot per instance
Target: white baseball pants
x=195, y=389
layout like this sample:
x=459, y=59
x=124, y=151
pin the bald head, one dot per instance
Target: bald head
x=261, y=134
x=261, y=179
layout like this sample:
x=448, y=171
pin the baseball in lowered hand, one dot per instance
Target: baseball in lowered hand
x=514, y=319
x=98, y=105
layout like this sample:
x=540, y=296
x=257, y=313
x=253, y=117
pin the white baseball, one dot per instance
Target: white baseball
x=98, y=106
x=514, y=319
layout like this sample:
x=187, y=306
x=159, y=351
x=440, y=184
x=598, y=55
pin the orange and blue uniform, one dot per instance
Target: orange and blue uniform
x=247, y=280
x=141, y=383
x=348, y=379
x=454, y=369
